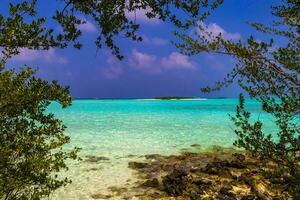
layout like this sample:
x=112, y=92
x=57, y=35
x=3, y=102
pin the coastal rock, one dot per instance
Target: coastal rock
x=151, y=183
x=100, y=196
x=249, y=197
x=95, y=159
x=225, y=192
x=195, y=145
x=175, y=183
x=137, y=165
x=216, y=175
x=117, y=190
x=215, y=168
x=153, y=157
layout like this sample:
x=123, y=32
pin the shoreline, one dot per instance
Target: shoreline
x=218, y=174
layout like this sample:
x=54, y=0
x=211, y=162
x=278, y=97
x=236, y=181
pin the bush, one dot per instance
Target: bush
x=30, y=141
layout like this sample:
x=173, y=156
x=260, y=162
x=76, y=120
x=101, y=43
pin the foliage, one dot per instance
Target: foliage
x=31, y=141
x=24, y=28
x=268, y=72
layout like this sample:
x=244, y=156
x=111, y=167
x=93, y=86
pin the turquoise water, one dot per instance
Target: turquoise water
x=118, y=128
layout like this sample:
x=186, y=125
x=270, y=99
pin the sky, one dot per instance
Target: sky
x=151, y=68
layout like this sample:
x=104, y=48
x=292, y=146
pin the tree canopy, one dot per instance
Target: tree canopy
x=32, y=141
x=269, y=72
x=24, y=27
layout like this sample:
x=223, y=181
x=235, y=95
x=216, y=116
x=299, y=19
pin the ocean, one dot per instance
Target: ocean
x=126, y=130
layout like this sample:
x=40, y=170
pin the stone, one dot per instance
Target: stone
x=239, y=157
x=195, y=145
x=100, y=196
x=175, y=183
x=152, y=156
x=248, y=197
x=151, y=183
x=137, y=165
x=95, y=159
x=232, y=164
x=117, y=190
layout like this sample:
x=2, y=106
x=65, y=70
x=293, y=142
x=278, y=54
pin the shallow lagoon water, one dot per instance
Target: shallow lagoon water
x=125, y=130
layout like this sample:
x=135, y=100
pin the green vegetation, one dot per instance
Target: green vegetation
x=269, y=72
x=31, y=147
x=31, y=141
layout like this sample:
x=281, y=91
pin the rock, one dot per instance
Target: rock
x=232, y=164
x=201, y=181
x=214, y=168
x=175, y=183
x=117, y=190
x=195, y=145
x=130, y=156
x=247, y=179
x=248, y=197
x=225, y=193
x=100, y=196
x=137, y=165
x=239, y=157
x=262, y=192
x=95, y=159
x=226, y=190
x=225, y=197
x=235, y=174
x=151, y=183
x=153, y=156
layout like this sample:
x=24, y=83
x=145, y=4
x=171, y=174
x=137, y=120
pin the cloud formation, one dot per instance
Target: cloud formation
x=216, y=30
x=177, y=61
x=154, y=65
x=141, y=17
x=50, y=56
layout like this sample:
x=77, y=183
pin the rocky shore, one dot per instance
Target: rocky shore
x=212, y=175
x=219, y=174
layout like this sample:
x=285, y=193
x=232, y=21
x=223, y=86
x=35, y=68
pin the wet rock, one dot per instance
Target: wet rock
x=130, y=156
x=151, y=183
x=235, y=174
x=248, y=197
x=225, y=197
x=226, y=190
x=231, y=164
x=153, y=156
x=239, y=157
x=117, y=190
x=175, y=183
x=137, y=165
x=247, y=179
x=214, y=168
x=100, y=196
x=195, y=145
x=95, y=159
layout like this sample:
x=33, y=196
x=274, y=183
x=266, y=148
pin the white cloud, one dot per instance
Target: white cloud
x=216, y=30
x=140, y=16
x=41, y=55
x=144, y=62
x=87, y=26
x=177, y=60
x=152, y=64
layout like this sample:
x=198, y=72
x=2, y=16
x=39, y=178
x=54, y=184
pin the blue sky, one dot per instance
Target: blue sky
x=151, y=68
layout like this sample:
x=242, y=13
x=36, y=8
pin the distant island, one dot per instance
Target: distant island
x=173, y=98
